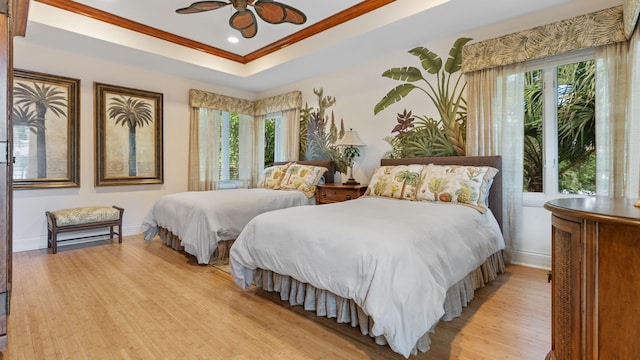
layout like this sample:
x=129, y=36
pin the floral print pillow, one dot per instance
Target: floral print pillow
x=302, y=178
x=272, y=176
x=398, y=182
x=467, y=185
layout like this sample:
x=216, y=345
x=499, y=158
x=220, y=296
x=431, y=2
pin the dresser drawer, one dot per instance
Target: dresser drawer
x=330, y=193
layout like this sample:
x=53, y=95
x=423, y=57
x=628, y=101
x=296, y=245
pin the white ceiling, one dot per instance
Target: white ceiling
x=395, y=27
x=212, y=27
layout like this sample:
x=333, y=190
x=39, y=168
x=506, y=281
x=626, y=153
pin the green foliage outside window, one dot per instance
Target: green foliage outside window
x=576, y=129
x=269, y=142
x=234, y=147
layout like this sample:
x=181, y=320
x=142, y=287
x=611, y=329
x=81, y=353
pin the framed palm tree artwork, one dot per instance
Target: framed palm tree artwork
x=46, y=131
x=128, y=130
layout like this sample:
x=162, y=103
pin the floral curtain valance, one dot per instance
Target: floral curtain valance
x=209, y=100
x=270, y=105
x=631, y=10
x=581, y=32
x=205, y=99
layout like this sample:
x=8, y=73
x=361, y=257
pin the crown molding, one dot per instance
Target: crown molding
x=332, y=21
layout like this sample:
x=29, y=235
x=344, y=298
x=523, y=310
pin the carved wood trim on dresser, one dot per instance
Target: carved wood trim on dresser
x=595, y=278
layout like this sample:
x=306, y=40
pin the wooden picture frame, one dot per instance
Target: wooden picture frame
x=46, y=131
x=128, y=131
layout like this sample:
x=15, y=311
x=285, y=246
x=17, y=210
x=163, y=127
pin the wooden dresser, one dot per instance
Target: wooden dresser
x=595, y=278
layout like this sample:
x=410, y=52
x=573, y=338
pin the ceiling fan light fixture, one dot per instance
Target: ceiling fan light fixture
x=244, y=20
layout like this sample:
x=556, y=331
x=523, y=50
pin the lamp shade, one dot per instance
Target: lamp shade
x=350, y=138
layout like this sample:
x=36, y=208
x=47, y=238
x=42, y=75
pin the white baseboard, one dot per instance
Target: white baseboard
x=532, y=259
x=40, y=242
x=26, y=244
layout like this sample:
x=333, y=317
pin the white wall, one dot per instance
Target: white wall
x=29, y=206
x=357, y=89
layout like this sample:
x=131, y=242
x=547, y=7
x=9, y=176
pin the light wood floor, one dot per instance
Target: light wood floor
x=139, y=300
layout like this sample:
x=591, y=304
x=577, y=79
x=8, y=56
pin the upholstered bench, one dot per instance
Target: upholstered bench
x=82, y=218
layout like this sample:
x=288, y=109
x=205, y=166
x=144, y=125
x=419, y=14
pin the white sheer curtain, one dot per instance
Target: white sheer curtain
x=617, y=129
x=612, y=87
x=633, y=115
x=247, y=151
x=258, y=158
x=495, y=126
x=204, y=145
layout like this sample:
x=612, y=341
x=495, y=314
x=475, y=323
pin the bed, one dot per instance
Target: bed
x=205, y=223
x=413, y=264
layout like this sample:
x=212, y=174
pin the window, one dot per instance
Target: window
x=234, y=157
x=227, y=137
x=559, y=127
x=229, y=147
x=273, y=144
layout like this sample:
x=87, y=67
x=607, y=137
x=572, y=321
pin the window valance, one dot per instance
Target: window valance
x=270, y=105
x=630, y=16
x=209, y=100
x=586, y=31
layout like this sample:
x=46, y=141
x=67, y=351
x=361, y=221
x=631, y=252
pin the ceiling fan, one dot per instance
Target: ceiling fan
x=244, y=20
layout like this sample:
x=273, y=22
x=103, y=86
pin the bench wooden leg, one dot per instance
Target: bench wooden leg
x=120, y=223
x=54, y=241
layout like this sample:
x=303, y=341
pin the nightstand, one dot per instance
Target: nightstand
x=331, y=193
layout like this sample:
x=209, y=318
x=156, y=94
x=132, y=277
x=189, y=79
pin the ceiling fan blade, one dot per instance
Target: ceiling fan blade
x=245, y=22
x=277, y=13
x=201, y=6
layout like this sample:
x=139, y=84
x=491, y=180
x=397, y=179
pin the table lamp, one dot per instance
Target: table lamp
x=351, y=142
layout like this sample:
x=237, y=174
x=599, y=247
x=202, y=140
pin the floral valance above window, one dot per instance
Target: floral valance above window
x=205, y=99
x=581, y=32
x=270, y=105
x=631, y=11
x=209, y=100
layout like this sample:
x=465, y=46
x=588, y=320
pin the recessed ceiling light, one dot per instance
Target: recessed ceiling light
x=232, y=39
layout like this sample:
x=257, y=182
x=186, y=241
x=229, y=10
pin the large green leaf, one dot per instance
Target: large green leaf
x=454, y=62
x=431, y=62
x=393, y=96
x=407, y=73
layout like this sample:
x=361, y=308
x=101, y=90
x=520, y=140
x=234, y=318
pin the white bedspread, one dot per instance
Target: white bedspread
x=394, y=258
x=202, y=218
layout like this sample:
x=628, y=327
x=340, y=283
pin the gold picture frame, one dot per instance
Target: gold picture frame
x=46, y=131
x=128, y=130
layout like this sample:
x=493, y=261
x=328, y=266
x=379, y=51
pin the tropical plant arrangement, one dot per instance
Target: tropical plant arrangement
x=319, y=133
x=443, y=136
